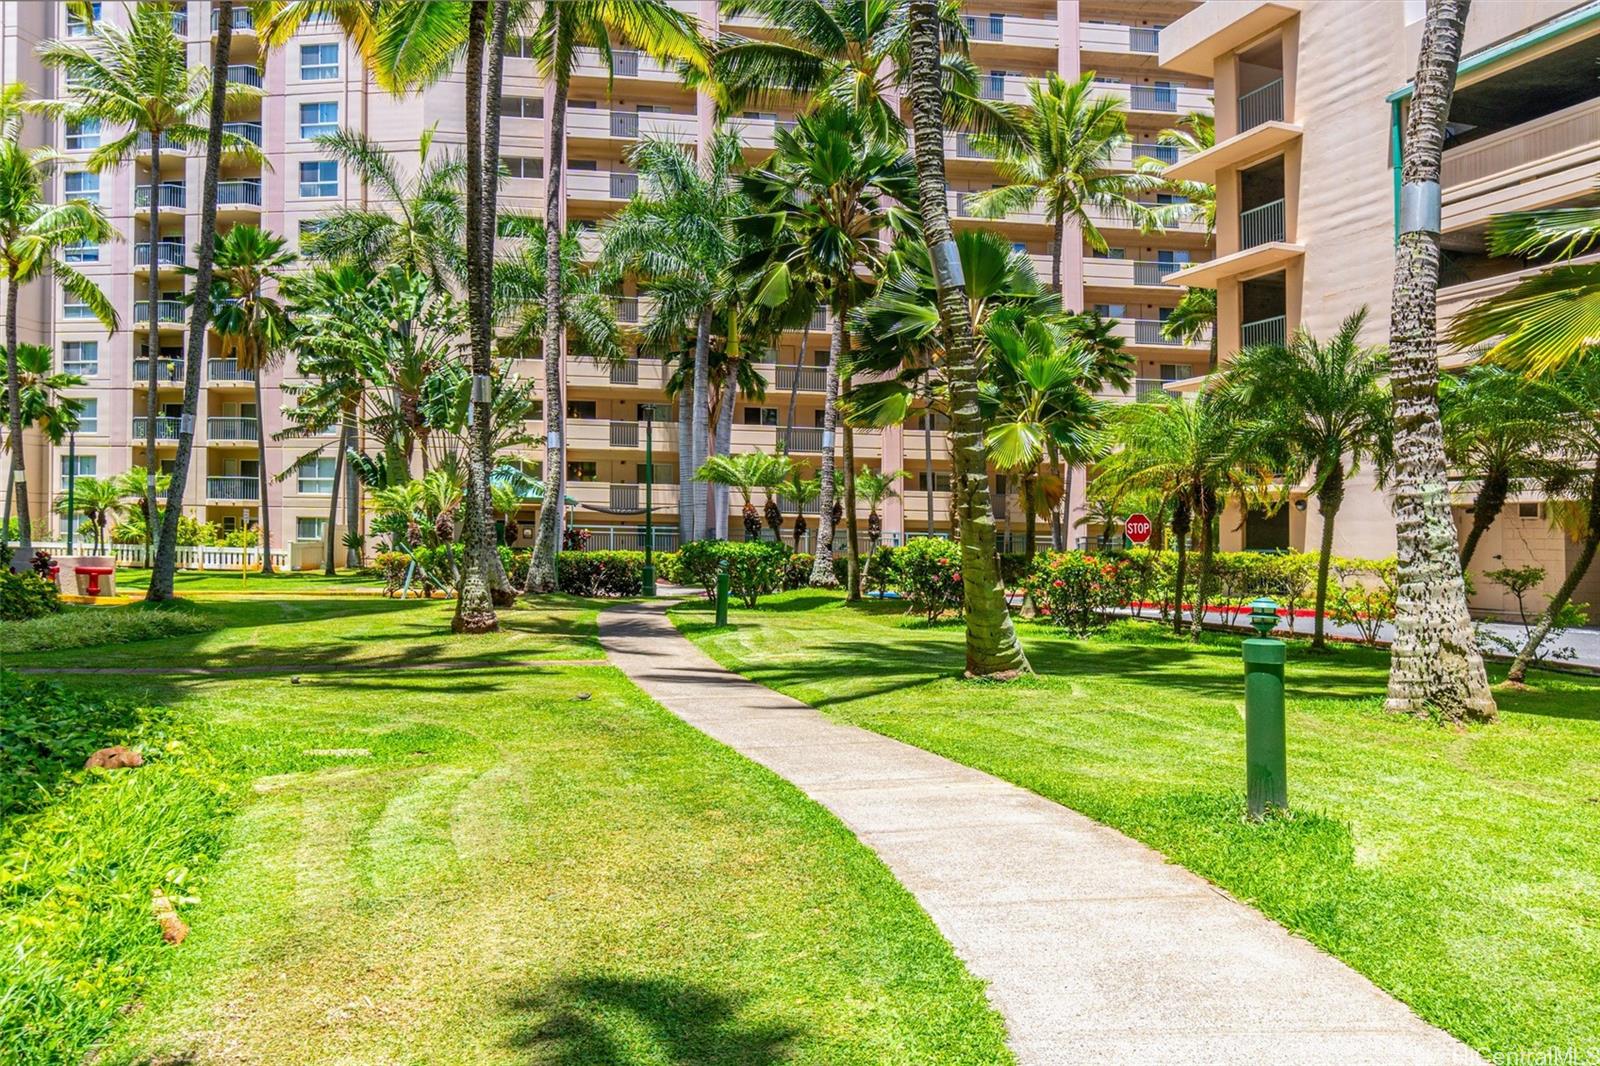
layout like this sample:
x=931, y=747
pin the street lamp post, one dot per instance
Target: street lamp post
x=72, y=478
x=649, y=580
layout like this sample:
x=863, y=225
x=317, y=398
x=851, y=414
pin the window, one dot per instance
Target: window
x=319, y=119
x=73, y=307
x=85, y=134
x=519, y=47
x=1176, y=371
x=309, y=528
x=82, y=252
x=654, y=412
x=760, y=416
x=1527, y=510
x=89, y=416
x=82, y=185
x=319, y=62
x=1110, y=310
x=81, y=358
x=522, y=166
x=76, y=26
x=583, y=470
x=85, y=468
x=581, y=409
x=1109, y=253
x=941, y=482
x=665, y=473
x=315, y=476
x=522, y=107
x=319, y=178
x=583, y=164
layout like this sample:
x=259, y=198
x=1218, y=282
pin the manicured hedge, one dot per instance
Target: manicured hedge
x=601, y=573
x=27, y=595
x=755, y=567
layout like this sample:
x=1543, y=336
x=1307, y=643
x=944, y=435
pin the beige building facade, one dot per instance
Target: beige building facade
x=1310, y=101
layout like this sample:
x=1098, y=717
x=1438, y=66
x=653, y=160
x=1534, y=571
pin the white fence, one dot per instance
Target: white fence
x=190, y=556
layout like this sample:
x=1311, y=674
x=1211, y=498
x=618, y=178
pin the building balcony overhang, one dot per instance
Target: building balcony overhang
x=1195, y=42
x=1258, y=259
x=1253, y=143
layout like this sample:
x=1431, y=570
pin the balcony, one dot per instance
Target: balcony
x=226, y=371
x=1127, y=272
x=233, y=429
x=584, y=123
x=1261, y=224
x=1541, y=163
x=1013, y=30
x=1158, y=99
x=143, y=141
x=169, y=194
x=1115, y=39
x=245, y=74
x=625, y=63
x=168, y=371
x=166, y=428
x=960, y=201
x=168, y=253
x=1139, y=390
x=248, y=131
x=167, y=311
x=628, y=309
x=806, y=378
x=759, y=133
x=1261, y=104
x=243, y=21
x=1264, y=331
x=241, y=194
x=625, y=497
x=1147, y=331
x=601, y=184
x=232, y=488
x=1013, y=89
x=180, y=23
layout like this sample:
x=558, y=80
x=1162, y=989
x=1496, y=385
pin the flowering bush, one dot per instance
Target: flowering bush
x=1080, y=590
x=755, y=567
x=597, y=573
x=928, y=575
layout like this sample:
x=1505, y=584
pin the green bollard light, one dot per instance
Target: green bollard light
x=1265, y=760
x=722, y=593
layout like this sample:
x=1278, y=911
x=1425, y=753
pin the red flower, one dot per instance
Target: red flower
x=1058, y=583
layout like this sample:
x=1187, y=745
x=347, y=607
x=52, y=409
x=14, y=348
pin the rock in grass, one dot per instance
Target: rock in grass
x=116, y=757
x=173, y=928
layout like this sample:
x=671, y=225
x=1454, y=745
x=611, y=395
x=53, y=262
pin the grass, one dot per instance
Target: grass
x=1459, y=869
x=503, y=865
x=84, y=627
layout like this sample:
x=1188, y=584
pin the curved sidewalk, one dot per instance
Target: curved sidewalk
x=1096, y=949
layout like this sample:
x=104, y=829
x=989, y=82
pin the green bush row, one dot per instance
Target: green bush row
x=27, y=595
x=85, y=627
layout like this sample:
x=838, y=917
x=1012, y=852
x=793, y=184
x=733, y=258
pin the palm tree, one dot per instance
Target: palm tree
x=1194, y=318
x=746, y=472
x=993, y=649
x=424, y=220
x=1332, y=408
x=875, y=487
x=1198, y=455
x=32, y=235
x=1435, y=667
x=99, y=500
x=1496, y=425
x=139, y=79
x=34, y=385
x=1066, y=160
x=677, y=238
x=1195, y=133
x=1041, y=391
x=801, y=491
x=822, y=203
x=852, y=53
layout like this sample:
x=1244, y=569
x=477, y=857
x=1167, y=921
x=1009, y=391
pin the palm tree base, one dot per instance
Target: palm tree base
x=475, y=622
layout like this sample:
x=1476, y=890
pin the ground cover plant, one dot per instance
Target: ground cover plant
x=1449, y=865
x=83, y=627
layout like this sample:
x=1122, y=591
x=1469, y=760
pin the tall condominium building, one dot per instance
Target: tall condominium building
x=1310, y=105
x=317, y=84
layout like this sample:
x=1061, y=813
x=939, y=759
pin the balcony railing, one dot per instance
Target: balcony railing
x=965, y=149
x=1153, y=97
x=624, y=124
x=801, y=438
x=627, y=309
x=625, y=434
x=1258, y=225
x=227, y=370
x=812, y=378
x=1264, y=331
x=624, y=186
x=168, y=194
x=1148, y=331
x=244, y=192
x=249, y=131
x=242, y=19
x=819, y=318
x=245, y=74
x=625, y=373
x=168, y=253
x=985, y=28
x=169, y=370
x=166, y=311
x=625, y=63
x=232, y=429
x=233, y=488
x=1263, y=104
x=180, y=23
x=166, y=428
x=1144, y=39
x=1165, y=153
x=1146, y=272
x=167, y=145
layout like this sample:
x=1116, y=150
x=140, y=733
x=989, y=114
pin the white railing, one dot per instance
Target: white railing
x=232, y=429
x=169, y=370
x=169, y=253
x=245, y=74
x=166, y=428
x=1264, y=331
x=168, y=194
x=630, y=538
x=227, y=370
x=246, y=191
x=1262, y=104
x=232, y=487
x=249, y=131
x=1261, y=224
x=190, y=556
x=166, y=311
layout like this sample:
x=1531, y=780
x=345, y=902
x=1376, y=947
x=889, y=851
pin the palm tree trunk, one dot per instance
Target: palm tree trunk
x=1058, y=531
x=5, y=515
x=1202, y=578
x=352, y=491
x=992, y=646
x=330, y=533
x=542, y=575
x=153, y=348
x=927, y=453
x=794, y=387
x=262, y=479
x=1329, y=499
x=1055, y=253
x=685, y=466
x=822, y=575
x=852, y=547
x=1030, y=517
x=1435, y=666
x=724, y=446
x=700, y=427
x=1485, y=509
x=166, y=542
x=500, y=588
x=474, y=601
x=1180, y=532
x=14, y=424
x=1563, y=596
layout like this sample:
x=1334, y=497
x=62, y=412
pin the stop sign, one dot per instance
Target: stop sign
x=1137, y=528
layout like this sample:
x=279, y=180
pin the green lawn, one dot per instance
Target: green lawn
x=1458, y=869
x=137, y=579
x=506, y=865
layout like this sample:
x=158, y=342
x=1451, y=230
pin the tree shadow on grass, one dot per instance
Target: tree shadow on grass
x=621, y=1020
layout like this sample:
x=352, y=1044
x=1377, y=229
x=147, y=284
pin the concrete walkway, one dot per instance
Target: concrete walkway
x=1096, y=950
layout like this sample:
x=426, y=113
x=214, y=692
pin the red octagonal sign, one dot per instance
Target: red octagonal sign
x=1138, y=528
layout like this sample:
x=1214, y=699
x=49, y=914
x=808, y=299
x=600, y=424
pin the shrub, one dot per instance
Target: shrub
x=27, y=595
x=797, y=571
x=601, y=573
x=755, y=567
x=85, y=627
x=668, y=569
x=928, y=575
x=1362, y=594
x=516, y=564
x=880, y=569
x=1080, y=590
x=391, y=566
